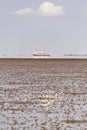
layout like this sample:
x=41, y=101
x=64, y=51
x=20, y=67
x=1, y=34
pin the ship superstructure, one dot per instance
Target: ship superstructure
x=41, y=54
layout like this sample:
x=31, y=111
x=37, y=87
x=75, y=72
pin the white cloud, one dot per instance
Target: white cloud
x=50, y=9
x=45, y=8
x=26, y=11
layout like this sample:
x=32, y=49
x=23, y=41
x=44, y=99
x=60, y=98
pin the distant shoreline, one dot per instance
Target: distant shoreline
x=44, y=58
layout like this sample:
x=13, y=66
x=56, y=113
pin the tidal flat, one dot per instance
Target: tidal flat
x=43, y=94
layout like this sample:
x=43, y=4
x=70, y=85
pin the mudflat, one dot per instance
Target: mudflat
x=43, y=94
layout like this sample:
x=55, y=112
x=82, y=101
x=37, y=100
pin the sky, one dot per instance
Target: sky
x=55, y=26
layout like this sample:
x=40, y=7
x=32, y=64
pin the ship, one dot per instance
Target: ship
x=41, y=54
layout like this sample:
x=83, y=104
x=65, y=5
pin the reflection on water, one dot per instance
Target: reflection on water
x=43, y=95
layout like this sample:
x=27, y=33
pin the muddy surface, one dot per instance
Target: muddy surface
x=43, y=94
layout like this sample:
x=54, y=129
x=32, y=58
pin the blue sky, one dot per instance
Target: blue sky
x=56, y=26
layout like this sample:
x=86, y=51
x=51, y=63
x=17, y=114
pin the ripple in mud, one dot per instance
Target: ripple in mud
x=43, y=95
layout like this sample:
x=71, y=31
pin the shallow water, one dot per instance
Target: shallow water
x=43, y=94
